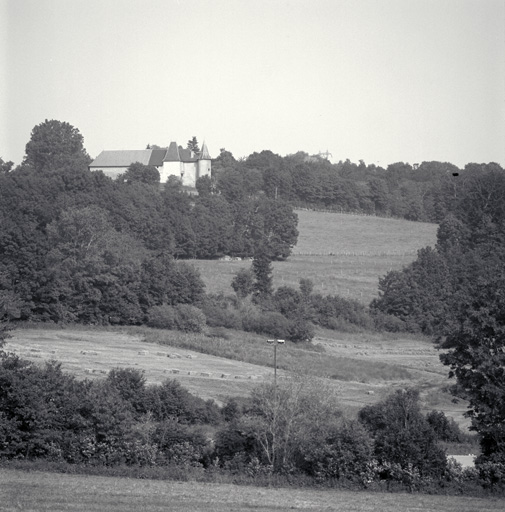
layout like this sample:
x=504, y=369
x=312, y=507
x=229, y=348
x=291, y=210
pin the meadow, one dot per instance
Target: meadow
x=342, y=254
x=52, y=492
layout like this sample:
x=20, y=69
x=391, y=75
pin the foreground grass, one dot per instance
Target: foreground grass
x=41, y=492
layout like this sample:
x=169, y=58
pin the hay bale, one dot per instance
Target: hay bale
x=189, y=356
x=143, y=352
x=204, y=374
x=176, y=356
x=162, y=354
x=174, y=370
x=225, y=375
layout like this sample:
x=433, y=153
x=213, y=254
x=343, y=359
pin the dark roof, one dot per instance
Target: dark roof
x=157, y=157
x=172, y=154
x=187, y=155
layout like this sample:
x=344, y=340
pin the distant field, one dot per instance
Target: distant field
x=50, y=492
x=342, y=254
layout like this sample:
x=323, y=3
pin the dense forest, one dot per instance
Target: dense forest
x=422, y=192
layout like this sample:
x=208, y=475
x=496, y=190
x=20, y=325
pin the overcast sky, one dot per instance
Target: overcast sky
x=377, y=80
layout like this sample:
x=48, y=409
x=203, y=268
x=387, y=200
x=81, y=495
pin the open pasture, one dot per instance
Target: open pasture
x=50, y=492
x=342, y=254
x=361, y=368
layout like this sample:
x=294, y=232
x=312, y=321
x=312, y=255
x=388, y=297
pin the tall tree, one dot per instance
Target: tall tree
x=54, y=145
x=193, y=145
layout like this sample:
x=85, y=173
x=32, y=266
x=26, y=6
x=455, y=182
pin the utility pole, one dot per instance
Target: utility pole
x=275, y=342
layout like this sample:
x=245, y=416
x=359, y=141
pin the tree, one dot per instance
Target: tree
x=476, y=357
x=55, y=145
x=243, y=283
x=278, y=232
x=402, y=434
x=193, y=145
x=5, y=167
x=262, y=268
x=282, y=417
x=138, y=172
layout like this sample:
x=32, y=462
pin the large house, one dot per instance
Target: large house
x=174, y=161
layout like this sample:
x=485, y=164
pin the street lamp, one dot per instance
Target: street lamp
x=275, y=342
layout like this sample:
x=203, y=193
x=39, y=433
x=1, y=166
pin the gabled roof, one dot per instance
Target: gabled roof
x=187, y=155
x=157, y=157
x=122, y=158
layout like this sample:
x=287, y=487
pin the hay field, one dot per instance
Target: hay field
x=51, y=492
x=342, y=254
x=360, y=368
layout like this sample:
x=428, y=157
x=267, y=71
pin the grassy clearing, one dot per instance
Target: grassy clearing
x=363, y=367
x=44, y=492
x=252, y=348
x=342, y=254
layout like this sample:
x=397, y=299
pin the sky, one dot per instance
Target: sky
x=376, y=80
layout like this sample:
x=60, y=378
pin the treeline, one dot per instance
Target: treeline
x=295, y=430
x=424, y=192
x=455, y=291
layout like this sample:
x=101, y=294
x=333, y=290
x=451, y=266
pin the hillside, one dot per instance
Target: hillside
x=342, y=254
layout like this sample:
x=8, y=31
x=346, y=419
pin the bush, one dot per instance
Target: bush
x=402, y=434
x=189, y=318
x=182, y=317
x=389, y=323
x=221, y=311
x=446, y=429
x=269, y=323
x=344, y=451
x=300, y=330
x=161, y=317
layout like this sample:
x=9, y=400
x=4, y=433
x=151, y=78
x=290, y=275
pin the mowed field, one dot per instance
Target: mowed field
x=360, y=368
x=50, y=492
x=342, y=254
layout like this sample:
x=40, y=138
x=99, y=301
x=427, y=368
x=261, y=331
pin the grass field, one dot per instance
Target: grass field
x=50, y=492
x=361, y=368
x=342, y=254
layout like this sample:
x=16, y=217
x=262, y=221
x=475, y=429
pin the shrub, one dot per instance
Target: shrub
x=161, y=317
x=389, y=323
x=131, y=386
x=269, y=323
x=491, y=474
x=189, y=318
x=402, y=434
x=343, y=451
x=170, y=400
x=446, y=429
x=221, y=311
x=182, y=317
x=300, y=330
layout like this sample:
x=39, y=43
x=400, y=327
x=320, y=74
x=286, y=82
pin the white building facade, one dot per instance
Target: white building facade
x=184, y=164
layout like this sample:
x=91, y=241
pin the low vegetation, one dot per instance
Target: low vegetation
x=291, y=428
